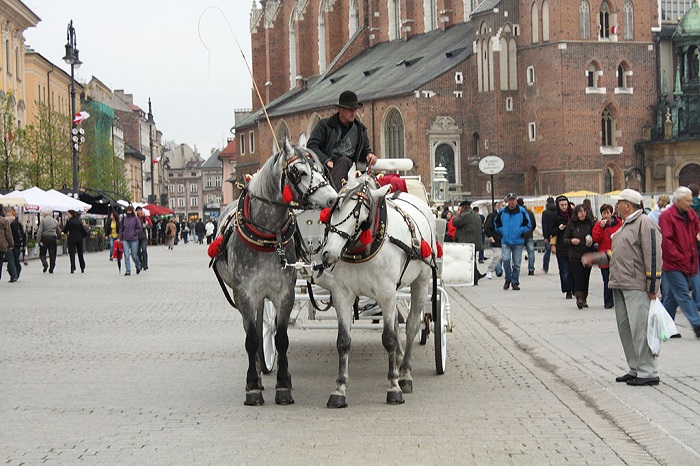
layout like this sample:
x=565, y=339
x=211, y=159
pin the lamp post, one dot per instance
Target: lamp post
x=72, y=59
x=440, y=183
x=152, y=196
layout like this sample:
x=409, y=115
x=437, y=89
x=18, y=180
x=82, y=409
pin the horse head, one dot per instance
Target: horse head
x=351, y=214
x=304, y=184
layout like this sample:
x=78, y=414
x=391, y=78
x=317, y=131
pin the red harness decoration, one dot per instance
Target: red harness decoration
x=256, y=239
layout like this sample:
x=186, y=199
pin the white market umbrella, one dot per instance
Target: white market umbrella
x=14, y=201
x=72, y=203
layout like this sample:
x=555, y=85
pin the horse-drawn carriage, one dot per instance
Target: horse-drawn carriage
x=367, y=244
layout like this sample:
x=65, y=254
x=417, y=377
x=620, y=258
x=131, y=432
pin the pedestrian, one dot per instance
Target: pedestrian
x=695, y=191
x=341, y=140
x=6, y=245
x=548, y=217
x=76, y=232
x=209, y=231
x=112, y=231
x=144, y=234
x=556, y=233
x=635, y=273
x=662, y=203
x=20, y=239
x=483, y=235
x=185, y=229
x=512, y=222
x=578, y=241
x=529, y=240
x=494, y=238
x=47, y=234
x=129, y=229
x=170, y=233
x=680, y=230
x=450, y=230
x=468, y=225
x=199, y=230
x=602, y=234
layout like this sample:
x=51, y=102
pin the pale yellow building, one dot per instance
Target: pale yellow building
x=48, y=84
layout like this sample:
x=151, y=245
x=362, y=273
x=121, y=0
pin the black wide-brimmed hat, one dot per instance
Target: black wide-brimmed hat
x=348, y=99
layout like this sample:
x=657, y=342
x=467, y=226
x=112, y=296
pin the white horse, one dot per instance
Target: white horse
x=374, y=246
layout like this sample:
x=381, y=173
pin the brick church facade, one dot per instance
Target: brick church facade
x=561, y=90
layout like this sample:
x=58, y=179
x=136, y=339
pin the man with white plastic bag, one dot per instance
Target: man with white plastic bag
x=635, y=273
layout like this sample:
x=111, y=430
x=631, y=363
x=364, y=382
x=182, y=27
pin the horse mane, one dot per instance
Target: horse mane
x=266, y=183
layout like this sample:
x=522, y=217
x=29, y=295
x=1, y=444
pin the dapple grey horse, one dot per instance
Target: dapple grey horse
x=258, y=240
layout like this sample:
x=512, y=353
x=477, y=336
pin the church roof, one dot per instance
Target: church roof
x=689, y=25
x=486, y=5
x=386, y=70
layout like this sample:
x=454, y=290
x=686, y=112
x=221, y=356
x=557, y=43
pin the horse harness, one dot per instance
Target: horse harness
x=291, y=172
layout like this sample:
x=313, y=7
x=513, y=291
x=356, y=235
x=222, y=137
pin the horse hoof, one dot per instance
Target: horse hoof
x=394, y=398
x=254, y=398
x=406, y=386
x=336, y=401
x=284, y=397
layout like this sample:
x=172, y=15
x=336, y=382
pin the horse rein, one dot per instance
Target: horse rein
x=291, y=172
x=363, y=199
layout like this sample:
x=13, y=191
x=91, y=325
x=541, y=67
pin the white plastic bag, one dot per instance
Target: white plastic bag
x=660, y=326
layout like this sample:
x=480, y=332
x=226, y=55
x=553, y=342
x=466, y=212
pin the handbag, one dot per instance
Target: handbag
x=660, y=326
x=83, y=231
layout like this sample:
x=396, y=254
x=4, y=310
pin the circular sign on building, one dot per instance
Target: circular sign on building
x=491, y=165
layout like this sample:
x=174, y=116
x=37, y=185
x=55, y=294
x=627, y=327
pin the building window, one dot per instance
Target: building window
x=193, y=188
x=430, y=14
x=592, y=76
x=445, y=156
x=608, y=129
x=394, y=135
x=181, y=202
x=604, y=21
x=208, y=182
x=535, y=23
x=251, y=145
x=624, y=80
x=321, y=37
x=530, y=75
x=609, y=180
x=627, y=20
x=241, y=142
x=673, y=10
x=217, y=181
x=171, y=188
x=532, y=131
x=209, y=198
x=181, y=188
x=194, y=202
x=545, y=21
x=172, y=203
x=293, y=50
x=7, y=57
x=354, y=20
x=394, y=19
x=509, y=104
x=584, y=20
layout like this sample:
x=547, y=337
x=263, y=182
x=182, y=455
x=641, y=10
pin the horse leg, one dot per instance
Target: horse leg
x=418, y=298
x=390, y=340
x=283, y=394
x=253, y=389
x=343, y=307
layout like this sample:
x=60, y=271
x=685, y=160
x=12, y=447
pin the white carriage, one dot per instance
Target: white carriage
x=313, y=305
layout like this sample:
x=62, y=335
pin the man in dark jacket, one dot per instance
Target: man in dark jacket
x=468, y=225
x=341, y=140
x=199, y=230
x=6, y=245
x=19, y=238
x=548, y=216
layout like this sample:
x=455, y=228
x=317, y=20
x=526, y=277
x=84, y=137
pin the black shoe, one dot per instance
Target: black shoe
x=531, y=272
x=676, y=335
x=499, y=274
x=50, y=270
x=697, y=331
x=608, y=306
x=72, y=270
x=481, y=261
x=516, y=287
x=138, y=271
x=82, y=270
x=12, y=280
x=625, y=378
x=568, y=295
x=126, y=274
x=639, y=381
x=506, y=285
x=482, y=275
x=46, y=267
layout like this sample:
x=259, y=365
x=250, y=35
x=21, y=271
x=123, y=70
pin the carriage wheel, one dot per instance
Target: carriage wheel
x=440, y=335
x=266, y=332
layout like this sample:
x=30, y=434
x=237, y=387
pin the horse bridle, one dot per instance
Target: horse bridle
x=363, y=199
x=292, y=176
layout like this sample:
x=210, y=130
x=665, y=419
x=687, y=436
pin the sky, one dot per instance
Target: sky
x=180, y=53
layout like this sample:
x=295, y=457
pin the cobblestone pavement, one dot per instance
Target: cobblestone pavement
x=98, y=368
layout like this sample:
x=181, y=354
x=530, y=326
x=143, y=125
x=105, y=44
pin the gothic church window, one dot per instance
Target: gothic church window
x=394, y=135
x=394, y=19
x=584, y=19
x=609, y=180
x=292, y=51
x=545, y=21
x=354, y=20
x=430, y=15
x=321, y=38
x=607, y=129
x=628, y=20
x=604, y=21
x=535, y=23
x=445, y=156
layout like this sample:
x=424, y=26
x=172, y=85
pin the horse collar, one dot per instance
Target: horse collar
x=257, y=237
x=362, y=253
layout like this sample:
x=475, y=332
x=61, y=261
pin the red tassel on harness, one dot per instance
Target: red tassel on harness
x=287, y=195
x=366, y=237
x=325, y=215
x=439, y=249
x=213, y=250
x=425, y=250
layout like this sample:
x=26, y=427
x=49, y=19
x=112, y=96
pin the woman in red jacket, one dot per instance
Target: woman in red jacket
x=602, y=234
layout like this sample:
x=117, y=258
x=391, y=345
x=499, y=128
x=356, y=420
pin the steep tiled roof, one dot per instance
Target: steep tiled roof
x=486, y=5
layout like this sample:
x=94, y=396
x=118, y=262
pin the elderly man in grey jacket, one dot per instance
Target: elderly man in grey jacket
x=635, y=276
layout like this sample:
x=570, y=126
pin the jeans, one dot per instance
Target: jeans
x=111, y=246
x=512, y=257
x=547, y=255
x=566, y=277
x=10, y=258
x=481, y=253
x=143, y=252
x=530, y=246
x=608, y=300
x=677, y=293
x=131, y=249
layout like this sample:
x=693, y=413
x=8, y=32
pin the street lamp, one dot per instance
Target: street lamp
x=152, y=196
x=440, y=183
x=72, y=59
